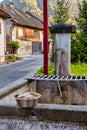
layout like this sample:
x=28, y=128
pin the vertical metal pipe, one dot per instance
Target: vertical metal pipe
x=45, y=39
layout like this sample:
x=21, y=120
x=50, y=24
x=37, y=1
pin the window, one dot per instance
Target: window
x=29, y=33
x=20, y=31
x=37, y=34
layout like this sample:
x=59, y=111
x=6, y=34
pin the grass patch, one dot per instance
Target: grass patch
x=50, y=70
x=78, y=69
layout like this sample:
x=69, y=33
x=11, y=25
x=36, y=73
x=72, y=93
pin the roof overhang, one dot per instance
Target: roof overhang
x=4, y=14
x=26, y=26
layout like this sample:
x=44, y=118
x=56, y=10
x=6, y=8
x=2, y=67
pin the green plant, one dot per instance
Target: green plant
x=81, y=18
x=12, y=57
x=79, y=47
x=52, y=56
x=50, y=70
x=18, y=58
x=14, y=45
x=61, y=9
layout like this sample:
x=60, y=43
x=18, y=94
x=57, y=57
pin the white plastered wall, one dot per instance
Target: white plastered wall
x=2, y=40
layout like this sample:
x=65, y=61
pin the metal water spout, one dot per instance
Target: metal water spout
x=59, y=53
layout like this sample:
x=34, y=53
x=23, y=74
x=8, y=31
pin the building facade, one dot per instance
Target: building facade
x=25, y=28
x=3, y=16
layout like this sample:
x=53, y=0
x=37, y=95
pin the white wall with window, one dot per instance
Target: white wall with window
x=2, y=39
x=20, y=31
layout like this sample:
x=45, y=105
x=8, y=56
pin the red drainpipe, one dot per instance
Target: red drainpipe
x=45, y=39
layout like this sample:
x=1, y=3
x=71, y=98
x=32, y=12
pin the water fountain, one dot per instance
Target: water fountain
x=69, y=105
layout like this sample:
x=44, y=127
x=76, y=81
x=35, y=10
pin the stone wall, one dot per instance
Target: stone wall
x=74, y=93
x=7, y=93
x=25, y=47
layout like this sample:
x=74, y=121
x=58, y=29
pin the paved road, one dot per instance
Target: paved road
x=14, y=71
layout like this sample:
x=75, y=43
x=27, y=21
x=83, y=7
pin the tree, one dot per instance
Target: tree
x=31, y=6
x=60, y=16
x=61, y=9
x=14, y=45
x=79, y=45
x=82, y=16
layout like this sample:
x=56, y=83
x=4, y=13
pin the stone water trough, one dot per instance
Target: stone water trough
x=53, y=111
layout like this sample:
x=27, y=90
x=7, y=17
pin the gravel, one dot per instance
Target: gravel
x=17, y=124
